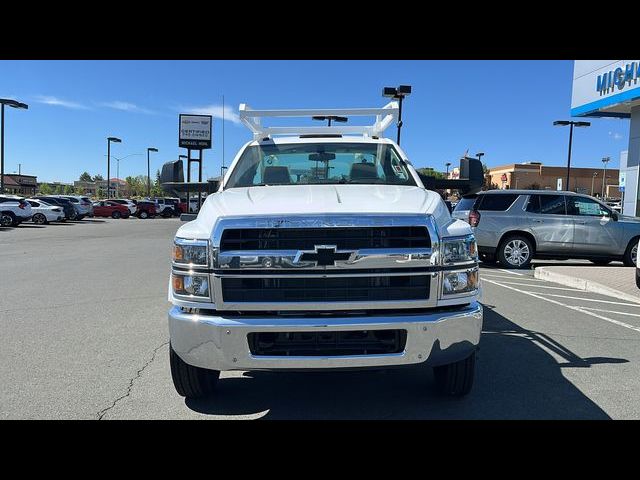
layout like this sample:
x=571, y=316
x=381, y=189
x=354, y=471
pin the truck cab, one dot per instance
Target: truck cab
x=322, y=249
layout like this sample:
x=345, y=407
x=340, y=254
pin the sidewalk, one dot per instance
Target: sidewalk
x=618, y=282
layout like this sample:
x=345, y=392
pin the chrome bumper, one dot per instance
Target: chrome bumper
x=219, y=342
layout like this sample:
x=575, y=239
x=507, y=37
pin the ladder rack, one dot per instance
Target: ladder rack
x=385, y=116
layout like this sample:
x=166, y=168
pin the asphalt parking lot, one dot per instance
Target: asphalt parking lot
x=83, y=322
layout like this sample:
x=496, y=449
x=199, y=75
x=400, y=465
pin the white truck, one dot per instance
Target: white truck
x=322, y=249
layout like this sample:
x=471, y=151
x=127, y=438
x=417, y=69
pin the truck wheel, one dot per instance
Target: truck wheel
x=515, y=252
x=190, y=381
x=631, y=253
x=456, y=379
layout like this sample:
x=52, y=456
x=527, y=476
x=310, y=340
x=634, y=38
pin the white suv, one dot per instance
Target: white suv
x=14, y=210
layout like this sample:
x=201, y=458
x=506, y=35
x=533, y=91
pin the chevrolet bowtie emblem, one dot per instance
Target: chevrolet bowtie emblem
x=323, y=255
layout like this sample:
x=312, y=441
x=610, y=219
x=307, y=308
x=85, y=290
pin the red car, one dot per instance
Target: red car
x=110, y=209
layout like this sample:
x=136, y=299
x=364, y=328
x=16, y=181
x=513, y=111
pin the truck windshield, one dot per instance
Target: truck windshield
x=320, y=163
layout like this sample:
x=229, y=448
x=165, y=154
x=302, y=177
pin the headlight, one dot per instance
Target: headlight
x=191, y=285
x=460, y=282
x=193, y=253
x=459, y=250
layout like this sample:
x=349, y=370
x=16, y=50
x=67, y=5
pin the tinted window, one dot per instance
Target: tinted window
x=496, y=202
x=465, y=203
x=585, y=206
x=546, y=204
x=33, y=204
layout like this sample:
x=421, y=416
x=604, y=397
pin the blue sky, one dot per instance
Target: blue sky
x=503, y=108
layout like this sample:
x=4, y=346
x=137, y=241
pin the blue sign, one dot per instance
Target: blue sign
x=618, y=77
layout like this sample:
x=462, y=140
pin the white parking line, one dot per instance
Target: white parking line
x=571, y=307
x=612, y=311
x=542, y=286
x=532, y=279
x=510, y=272
x=590, y=299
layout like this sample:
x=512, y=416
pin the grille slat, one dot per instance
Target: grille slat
x=357, y=342
x=318, y=289
x=351, y=238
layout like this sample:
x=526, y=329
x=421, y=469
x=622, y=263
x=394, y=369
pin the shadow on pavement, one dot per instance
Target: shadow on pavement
x=515, y=379
x=22, y=225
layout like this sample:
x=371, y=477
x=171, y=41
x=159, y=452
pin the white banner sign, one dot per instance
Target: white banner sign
x=195, y=131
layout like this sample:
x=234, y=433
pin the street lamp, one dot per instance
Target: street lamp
x=448, y=164
x=109, y=140
x=564, y=123
x=595, y=174
x=118, y=169
x=329, y=118
x=605, y=160
x=399, y=94
x=150, y=149
x=12, y=104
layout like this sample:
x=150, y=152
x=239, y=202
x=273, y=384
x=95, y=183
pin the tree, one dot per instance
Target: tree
x=85, y=177
x=45, y=189
x=430, y=172
x=69, y=190
x=98, y=178
x=156, y=189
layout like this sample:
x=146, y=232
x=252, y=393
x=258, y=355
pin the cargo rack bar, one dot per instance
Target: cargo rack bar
x=385, y=116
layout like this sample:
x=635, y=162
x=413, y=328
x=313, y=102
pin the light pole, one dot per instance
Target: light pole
x=109, y=140
x=150, y=149
x=605, y=160
x=398, y=93
x=564, y=123
x=118, y=169
x=448, y=164
x=13, y=104
x=595, y=174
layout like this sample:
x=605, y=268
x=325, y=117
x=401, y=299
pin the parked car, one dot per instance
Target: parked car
x=14, y=210
x=515, y=226
x=44, y=213
x=83, y=205
x=130, y=204
x=70, y=212
x=145, y=209
x=108, y=208
x=463, y=207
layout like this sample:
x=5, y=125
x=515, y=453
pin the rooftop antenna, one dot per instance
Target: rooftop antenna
x=222, y=169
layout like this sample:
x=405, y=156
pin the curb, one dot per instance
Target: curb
x=581, y=284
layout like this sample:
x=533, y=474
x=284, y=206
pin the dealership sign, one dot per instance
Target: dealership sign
x=195, y=131
x=618, y=78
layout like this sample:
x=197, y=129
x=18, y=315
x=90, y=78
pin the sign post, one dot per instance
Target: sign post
x=194, y=134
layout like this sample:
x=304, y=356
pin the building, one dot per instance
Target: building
x=55, y=187
x=18, y=184
x=118, y=187
x=85, y=188
x=535, y=175
x=611, y=88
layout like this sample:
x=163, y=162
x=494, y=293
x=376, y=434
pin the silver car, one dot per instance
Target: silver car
x=515, y=226
x=82, y=205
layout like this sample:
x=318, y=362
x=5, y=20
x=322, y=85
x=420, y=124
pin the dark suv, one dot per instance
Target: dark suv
x=515, y=226
x=70, y=212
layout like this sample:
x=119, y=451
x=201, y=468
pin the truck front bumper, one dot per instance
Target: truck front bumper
x=219, y=342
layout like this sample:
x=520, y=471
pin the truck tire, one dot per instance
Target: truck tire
x=522, y=246
x=456, y=379
x=630, y=253
x=190, y=381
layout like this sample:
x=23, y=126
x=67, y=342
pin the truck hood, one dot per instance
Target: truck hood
x=297, y=199
x=316, y=199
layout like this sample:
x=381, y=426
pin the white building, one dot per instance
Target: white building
x=611, y=88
